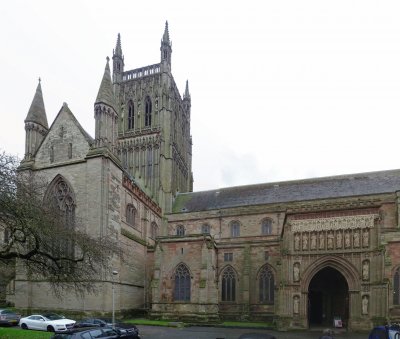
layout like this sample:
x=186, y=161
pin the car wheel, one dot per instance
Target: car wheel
x=50, y=329
x=24, y=326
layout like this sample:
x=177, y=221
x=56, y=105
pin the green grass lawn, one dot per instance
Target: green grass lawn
x=140, y=321
x=148, y=322
x=16, y=333
x=247, y=324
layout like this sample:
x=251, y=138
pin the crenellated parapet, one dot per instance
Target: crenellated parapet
x=130, y=185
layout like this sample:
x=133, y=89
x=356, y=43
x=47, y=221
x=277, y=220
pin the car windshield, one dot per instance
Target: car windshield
x=53, y=316
x=6, y=312
x=62, y=336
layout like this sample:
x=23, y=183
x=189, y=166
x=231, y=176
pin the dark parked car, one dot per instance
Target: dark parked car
x=99, y=332
x=257, y=336
x=8, y=317
x=385, y=332
x=92, y=322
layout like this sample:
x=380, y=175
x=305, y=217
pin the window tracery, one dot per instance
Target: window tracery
x=205, y=229
x=131, y=115
x=182, y=283
x=266, y=285
x=266, y=226
x=180, y=230
x=396, y=287
x=235, y=229
x=154, y=230
x=228, y=290
x=60, y=197
x=131, y=215
x=148, y=111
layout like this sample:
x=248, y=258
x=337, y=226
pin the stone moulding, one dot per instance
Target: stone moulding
x=335, y=223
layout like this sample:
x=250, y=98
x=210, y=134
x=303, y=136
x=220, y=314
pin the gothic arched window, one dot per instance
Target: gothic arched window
x=182, y=283
x=228, y=288
x=131, y=115
x=131, y=214
x=266, y=285
x=396, y=287
x=154, y=230
x=148, y=110
x=205, y=229
x=235, y=229
x=60, y=199
x=180, y=230
x=266, y=226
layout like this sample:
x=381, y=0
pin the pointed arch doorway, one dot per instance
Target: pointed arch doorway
x=328, y=297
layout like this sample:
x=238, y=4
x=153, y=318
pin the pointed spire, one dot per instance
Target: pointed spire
x=187, y=94
x=166, y=34
x=106, y=93
x=37, y=112
x=118, y=48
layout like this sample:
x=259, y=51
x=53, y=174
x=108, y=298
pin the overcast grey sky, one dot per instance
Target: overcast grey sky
x=280, y=90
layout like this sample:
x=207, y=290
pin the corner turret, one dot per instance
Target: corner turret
x=106, y=113
x=36, y=126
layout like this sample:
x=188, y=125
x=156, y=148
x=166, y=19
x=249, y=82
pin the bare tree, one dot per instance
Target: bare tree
x=45, y=239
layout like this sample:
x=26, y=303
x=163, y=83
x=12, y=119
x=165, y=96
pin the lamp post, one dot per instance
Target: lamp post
x=113, y=297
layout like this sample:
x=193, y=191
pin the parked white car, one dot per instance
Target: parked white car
x=46, y=322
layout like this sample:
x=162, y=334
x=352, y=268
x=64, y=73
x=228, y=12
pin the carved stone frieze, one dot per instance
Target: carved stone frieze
x=334, y=223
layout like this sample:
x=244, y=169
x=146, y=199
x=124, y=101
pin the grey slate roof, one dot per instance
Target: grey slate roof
x=37, y=112
x=106, y=92
x=290, y=191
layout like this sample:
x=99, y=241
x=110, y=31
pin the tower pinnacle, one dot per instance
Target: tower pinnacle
x=37, y=112
x=106, y=93
x=118, y=61
x=118, y=48
x=166, y=50
x=186, y=95
x=36, y=126
x=166, y=34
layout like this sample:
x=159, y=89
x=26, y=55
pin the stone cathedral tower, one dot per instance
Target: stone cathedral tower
x=154, y=141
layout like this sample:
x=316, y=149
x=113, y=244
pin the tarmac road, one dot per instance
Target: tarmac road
x=157, y=332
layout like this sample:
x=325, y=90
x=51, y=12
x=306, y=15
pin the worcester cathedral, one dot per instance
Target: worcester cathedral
x=297, y=253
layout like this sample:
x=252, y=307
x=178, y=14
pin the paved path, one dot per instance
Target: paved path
x=156, y=332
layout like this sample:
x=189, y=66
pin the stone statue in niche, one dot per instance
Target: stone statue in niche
x=347, y=243
x=365, y=270
x=297, y=241
x=313, y=243
x=330, y=240
x=321, y=241
x=296, y=304
x=339, y=239
x=365, y=304
x=305, y=241
x=366, y=238
x=356, y=239
x=296, y=272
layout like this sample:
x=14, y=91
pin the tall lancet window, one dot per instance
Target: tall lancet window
x=182, y=283
x=61, y=201
x=266, y=285
x=148, y=110
x=396, y=287
x=228, y=288
x=131, y=115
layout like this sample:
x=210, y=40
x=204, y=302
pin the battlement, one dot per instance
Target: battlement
x=141, y=72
